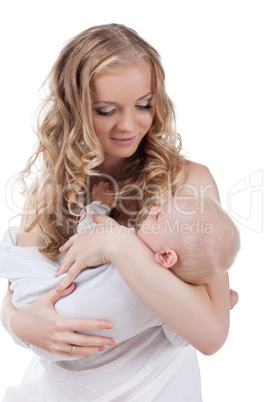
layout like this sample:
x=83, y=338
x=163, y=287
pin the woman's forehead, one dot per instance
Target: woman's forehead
x=136, y=81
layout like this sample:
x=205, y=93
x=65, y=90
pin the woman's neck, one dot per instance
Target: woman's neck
x=112, y=167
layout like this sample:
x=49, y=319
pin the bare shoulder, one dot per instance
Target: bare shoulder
x=197, y=179
x=29, y=239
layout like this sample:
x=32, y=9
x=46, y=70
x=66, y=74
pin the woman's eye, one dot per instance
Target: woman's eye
x=144, y=107
x=103, y=113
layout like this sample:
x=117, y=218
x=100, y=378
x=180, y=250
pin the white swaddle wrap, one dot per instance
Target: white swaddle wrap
x=149, y=362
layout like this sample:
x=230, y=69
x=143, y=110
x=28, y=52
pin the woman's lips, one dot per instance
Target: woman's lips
x=124, y=141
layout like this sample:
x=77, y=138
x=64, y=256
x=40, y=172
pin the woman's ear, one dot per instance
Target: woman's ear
x=167, y=258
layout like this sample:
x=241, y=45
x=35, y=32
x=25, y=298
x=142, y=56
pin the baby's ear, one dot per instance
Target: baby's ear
x=167, y=258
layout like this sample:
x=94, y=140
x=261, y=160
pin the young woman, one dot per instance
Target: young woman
x=107, y=116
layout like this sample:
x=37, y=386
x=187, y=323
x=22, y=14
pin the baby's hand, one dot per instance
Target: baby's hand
x=101, y=192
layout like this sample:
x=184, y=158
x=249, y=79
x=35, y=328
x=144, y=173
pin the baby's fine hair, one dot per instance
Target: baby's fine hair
x=208, y=241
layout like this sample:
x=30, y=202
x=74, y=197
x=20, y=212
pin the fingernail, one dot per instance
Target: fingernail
x=101, y=349
x=111, y=343
x=108, y=326
x=57, y=272
x=87, y=355
x=58, y=288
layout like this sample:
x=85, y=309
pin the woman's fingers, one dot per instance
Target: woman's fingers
x=87, y=341
x=99, y=218
x=84, y=345
x=78, y=352
x=66, y=246
x=52, y=296
x=71, y=275
x=80, y=325
x=85, y=249
x=66, y=264
x=107, y=222
x=41, y=326
x=68, y=336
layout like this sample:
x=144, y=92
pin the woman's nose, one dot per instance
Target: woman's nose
x=127, y=121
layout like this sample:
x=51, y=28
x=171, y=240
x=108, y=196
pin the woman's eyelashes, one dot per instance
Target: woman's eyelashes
x=147, y=105
x=105, y=113
x=102, y=112
x=144, y=107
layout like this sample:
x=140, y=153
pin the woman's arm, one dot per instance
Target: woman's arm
x=40, y=325
x=7, y=310
x=200, y=314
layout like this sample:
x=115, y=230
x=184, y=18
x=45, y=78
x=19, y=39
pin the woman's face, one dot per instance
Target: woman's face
x=122, y=112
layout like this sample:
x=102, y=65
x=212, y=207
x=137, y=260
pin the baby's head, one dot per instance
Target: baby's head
x=193, y=236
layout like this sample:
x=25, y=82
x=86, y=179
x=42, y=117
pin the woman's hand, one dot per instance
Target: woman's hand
x=88, y=248
x=40, y=325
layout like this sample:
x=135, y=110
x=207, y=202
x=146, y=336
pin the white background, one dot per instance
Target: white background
x=215, y=56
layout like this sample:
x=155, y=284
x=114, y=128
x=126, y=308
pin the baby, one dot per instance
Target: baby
x=192, y=235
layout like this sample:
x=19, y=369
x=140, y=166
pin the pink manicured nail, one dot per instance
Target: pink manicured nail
x=57, y=272
x=58, y=288
x=111, y=343
x=108, y=326
x=101, y=349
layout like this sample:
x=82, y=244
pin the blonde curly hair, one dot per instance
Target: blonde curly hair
x=69, y=151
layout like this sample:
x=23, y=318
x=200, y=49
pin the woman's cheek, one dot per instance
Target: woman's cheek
x=102, y=126
x=146, y=121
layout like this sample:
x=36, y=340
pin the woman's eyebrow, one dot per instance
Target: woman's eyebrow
x=115, y=103
x=146, y=96
x=104, y=102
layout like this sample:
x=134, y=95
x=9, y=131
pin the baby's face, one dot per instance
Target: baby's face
x=156, y=230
